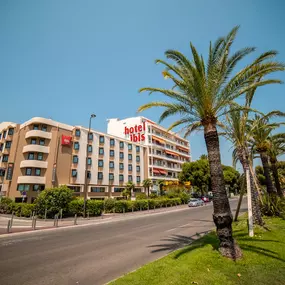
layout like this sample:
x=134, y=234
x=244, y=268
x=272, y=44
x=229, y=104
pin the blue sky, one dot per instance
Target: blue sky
x=66, y=59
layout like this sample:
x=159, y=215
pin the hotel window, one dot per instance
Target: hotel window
x=100, y=163
x=23, y=187
x=5, y=158
x=112, y=142
x=10, y=132
x=130, y=157
x=28, y=171
x=8, y=144
x=130, y=147
x=89, y=148
x=75, y=159
x=138, y=158
x=138, y=179
x=111, y=176
x=121, y=166
x=121, y=177
x=101, y=139
x=137, y=148
x=77, y=133
x=111, y=164
x=40, y=156
x=42, y=142
x=89, y=160
x=1, y=146
x=90, y=136
x=36, y=127
x=4, y=134
x=100, y=175
x=74, y=173
x=121, y=144
x=33, y=141
x=121, y=155
x=31, y=156
x=112, y=153
x=130, y=178
x=2, y=171
x=38, y=172
x=130, y=167
x=117, y=189
x=76, y=145
x=44, y=128
x=97, y=189
x=0, y=136
x=101, y=150
x=138, y=168
x=88, y=174
x=36, y=187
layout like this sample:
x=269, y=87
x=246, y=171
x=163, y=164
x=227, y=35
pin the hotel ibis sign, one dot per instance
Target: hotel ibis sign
x=136, y=132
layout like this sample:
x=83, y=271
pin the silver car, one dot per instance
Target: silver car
x=195, y=202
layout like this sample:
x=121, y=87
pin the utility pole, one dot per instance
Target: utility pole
x=86, y=166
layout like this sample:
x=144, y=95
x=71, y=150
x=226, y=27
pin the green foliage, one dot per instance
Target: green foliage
x=24, y=209
x=54, y=199
x=141, y=196
x=231, y=177
x=109, y=205
x=126, y=193
x=5, y=205
x=272, y=205
x=153, y=196
x=76, y=207
x=95, y=207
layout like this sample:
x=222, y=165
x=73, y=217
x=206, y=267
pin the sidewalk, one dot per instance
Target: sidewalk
x=25, y=224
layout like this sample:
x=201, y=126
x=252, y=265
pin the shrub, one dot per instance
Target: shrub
x=141, y=196
x=95, y=207
x=76, y=207
x=5, y=205
x=272, y=205
x=184, y=197
x=121, y=206
x=109, y=205
x=54, y=199
x=23, y=209
x=153, y=196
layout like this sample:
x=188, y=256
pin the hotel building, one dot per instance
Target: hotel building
x=166, y=151
x=42, y=153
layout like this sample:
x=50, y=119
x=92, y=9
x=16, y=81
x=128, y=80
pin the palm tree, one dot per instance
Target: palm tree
x=277, y=148
x=147, y=183
x=130, y=186
x=202, y=93
x=259, y=130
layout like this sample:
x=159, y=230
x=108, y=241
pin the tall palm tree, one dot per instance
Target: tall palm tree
x=259, y=130
x=147, y=183
x=202, y=93
x=277, y=148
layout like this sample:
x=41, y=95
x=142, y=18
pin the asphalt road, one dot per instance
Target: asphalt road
x=96, y=254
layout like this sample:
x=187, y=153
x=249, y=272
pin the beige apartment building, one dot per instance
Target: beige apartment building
x=42, y=153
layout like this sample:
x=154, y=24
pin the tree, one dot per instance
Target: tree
x=259, y=130
x=147, y=183
x=54, y=199
x=202, y=93
x=231, y=177
x=277, y=148
x=204, y=156
x=127, y=192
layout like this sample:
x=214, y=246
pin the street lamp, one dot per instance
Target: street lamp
x=86, y=165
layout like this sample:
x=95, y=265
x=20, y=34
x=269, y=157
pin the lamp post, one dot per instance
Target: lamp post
x=86, y=165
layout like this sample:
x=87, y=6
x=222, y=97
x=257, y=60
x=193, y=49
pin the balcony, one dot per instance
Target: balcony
x=33, y=163
x=36, y=148
x=38, y=133
x=31, y=180
x=164, y=156
x=175, y=168
x=163, y=177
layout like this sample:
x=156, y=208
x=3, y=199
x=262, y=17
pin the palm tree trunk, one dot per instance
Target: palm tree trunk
x=222, y=215
x=276, y=178
x=266, y=169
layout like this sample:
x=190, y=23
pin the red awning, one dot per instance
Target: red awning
x=163, y=172
x=170, y=152
x=156, y=171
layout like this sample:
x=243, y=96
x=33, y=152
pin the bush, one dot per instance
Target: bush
x=76, y=207
x=141, y=196
x=184, y=197
x=5, y=205
x=94, y=207
x=153, y=196
x=54, y=199
x=23, y=209
x=272, y=205
x=121, y=206
x=109, y=205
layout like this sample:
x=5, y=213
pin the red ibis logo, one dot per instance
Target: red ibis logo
x=136, y=132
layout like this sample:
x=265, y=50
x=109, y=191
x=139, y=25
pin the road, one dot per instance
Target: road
x=97, y=254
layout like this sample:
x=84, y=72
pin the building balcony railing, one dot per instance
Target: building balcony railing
x=169, y=158
x=179, y=152
x=35, y=148
x=38, y=133
x=33, y=163
x=171, y=139
x=163, y=177
x=174, y=168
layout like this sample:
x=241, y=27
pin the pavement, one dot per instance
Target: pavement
x=98, y=252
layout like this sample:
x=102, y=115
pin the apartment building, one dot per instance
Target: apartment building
x=166, y=151
x=42, y=153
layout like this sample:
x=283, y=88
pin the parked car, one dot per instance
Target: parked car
x=195, y=202
x=205, y=199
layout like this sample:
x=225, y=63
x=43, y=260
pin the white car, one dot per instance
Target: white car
x=195, y=202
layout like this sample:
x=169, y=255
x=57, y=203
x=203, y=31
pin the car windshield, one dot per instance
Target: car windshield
x=193, y=200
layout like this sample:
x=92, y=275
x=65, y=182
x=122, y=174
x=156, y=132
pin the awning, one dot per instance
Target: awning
x=156, y=171
x=170, y=152
x=163, y=172
x=158, y=139
x=159, y=171
x=182, y=148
